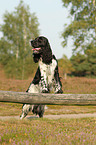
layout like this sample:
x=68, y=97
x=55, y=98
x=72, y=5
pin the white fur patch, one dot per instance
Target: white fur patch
x=34, y=89
x=47, y=71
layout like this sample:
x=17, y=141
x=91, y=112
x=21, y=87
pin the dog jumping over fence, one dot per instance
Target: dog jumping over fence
x=46, y=77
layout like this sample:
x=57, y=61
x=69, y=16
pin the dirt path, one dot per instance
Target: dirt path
x=53, y=116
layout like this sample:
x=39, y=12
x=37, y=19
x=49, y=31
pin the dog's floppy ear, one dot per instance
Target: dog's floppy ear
x=47, y=52
x=36, y=57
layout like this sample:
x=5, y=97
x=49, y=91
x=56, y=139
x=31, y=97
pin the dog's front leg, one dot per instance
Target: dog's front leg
x=58, y=84
x=44, y=87
x=27, y=107
x=33, y=88
x=36, y=109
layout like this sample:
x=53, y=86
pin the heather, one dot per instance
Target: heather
x=48, y=132
x=71, y=85
x=36, y=131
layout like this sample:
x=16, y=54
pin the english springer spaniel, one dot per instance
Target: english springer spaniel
x=46, y=77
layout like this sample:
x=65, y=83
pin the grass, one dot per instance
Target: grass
x=13, y=109
x=44, y=131
x=48, y=132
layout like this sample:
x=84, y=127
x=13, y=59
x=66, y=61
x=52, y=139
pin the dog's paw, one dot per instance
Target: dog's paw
x=59, y=92
x=23, y=115
x=45, y=91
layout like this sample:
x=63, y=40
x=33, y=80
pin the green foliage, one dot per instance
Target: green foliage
x=15, y=52
x=82, y=30
x=80, y=65
x=91, y=58
x=84, y=64
x=14, y=68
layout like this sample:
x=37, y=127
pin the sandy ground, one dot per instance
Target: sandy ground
x=53, y=116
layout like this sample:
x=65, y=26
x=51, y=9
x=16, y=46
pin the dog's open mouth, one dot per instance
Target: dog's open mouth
x=36, y=50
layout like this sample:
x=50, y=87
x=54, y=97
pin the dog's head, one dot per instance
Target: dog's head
x=41, y=48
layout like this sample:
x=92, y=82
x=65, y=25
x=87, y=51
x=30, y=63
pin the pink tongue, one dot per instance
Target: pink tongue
x=36, y=48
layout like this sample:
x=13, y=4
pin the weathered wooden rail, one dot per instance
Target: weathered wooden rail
x=46, y=99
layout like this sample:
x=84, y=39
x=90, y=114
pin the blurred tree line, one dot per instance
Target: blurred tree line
x=15, y=51
x=20, y=26
x=65, y=66
x=82, y=30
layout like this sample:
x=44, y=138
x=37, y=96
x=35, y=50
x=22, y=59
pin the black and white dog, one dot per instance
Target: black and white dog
x=46, y=77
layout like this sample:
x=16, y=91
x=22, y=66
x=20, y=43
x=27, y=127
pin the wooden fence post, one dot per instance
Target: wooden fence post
x=47, y=99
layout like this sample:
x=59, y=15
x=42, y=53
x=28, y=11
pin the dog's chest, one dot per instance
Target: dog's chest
x=47, y=71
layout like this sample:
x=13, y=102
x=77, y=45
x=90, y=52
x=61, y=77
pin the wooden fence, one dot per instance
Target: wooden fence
x=47, y=99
